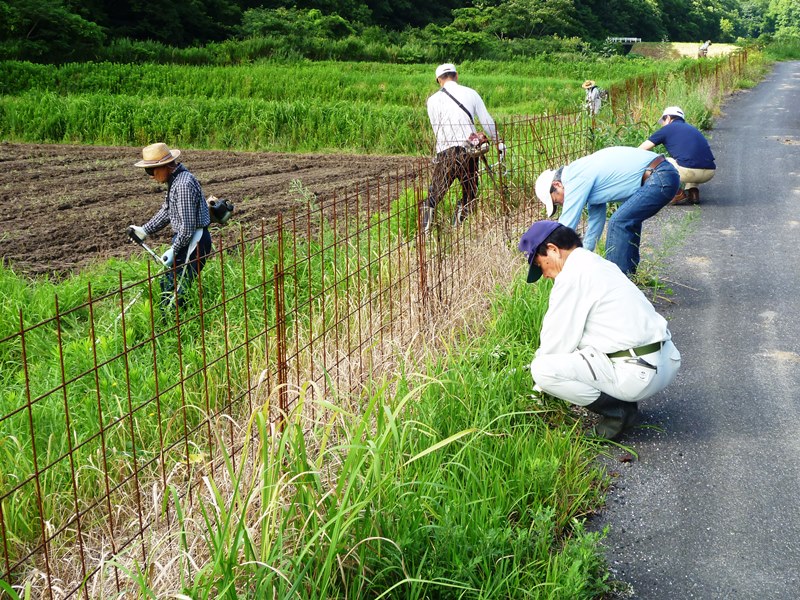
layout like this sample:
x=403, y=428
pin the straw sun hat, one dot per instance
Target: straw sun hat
x=157, y=155
x=589, y=83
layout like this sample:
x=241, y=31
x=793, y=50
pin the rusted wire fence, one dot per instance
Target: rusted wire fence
x=113, y=399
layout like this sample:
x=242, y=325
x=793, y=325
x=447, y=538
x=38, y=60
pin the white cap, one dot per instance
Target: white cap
x=445, y=68
x=542, y=187
x=673, y=111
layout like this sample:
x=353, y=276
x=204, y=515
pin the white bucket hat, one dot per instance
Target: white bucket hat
x=157, y=155
x=673, y=111
x=445, y=68
x=542, y=188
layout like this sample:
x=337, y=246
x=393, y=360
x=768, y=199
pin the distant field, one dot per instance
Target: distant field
x=678, y=50
x=279, y=107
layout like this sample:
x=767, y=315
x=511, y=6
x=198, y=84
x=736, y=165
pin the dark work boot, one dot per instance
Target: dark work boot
x=694, y=195
x=617, y=416
x=679, y=198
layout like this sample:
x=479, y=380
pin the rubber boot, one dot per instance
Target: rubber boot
x=460, y=215
x=427, y=219
x=617, y=416
x=694, y=195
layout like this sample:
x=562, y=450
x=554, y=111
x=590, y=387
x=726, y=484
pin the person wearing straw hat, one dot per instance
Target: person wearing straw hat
x=689, y=153
x=452, y=111
x=642, y=181
x=184, y=209
x=593, y=100
x=602, y=344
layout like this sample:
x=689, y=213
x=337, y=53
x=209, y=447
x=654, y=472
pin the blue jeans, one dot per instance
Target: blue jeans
x=625, y=225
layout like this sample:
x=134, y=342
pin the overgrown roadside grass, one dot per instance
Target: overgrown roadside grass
x=451, y=484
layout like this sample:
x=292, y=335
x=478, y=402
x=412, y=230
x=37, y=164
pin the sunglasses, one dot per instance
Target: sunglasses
x=150, y=170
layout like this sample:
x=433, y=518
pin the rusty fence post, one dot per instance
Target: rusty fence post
x=280, y=328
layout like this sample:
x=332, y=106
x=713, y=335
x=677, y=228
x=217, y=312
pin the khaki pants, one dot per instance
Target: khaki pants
x=692, y=177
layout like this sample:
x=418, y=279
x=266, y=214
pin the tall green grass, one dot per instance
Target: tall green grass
x=784, y=47
x=299, y=106
x=452, y=484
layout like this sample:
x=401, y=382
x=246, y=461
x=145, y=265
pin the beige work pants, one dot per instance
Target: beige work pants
x=580, y=376
x=692, y=177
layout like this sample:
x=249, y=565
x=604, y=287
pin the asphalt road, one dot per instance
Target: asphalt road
x=711, y=508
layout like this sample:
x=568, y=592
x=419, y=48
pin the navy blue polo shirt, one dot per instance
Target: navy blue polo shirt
x=686, y=144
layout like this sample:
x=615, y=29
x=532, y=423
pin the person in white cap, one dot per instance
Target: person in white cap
x=185, y=210
x=452, y=112
x=641, y=180
x=602, y=343
x=689, y=151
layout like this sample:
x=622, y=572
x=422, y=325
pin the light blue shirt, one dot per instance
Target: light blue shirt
x=612, y=174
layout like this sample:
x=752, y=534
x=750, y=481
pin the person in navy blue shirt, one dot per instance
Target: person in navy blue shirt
x=689, y=153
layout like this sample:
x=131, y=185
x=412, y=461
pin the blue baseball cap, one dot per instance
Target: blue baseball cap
x=531, y=240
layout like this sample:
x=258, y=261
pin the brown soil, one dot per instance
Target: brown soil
x=64, y=207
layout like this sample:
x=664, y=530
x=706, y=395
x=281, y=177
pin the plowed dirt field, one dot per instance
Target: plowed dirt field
x=64, y=207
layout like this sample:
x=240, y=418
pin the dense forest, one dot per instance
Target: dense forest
x=69, y=30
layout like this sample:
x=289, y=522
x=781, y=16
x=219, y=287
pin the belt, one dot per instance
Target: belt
x=652, y=167
x=640, y=351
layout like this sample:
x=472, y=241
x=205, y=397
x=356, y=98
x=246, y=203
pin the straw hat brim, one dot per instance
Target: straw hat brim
x=164, y=160
x=587, y=84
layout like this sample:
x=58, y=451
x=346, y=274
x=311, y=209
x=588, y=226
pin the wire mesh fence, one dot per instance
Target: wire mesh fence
x=117, y=396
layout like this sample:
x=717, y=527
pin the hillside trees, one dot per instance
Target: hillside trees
x=783, y=17
x=46, y=31
x=403, y=30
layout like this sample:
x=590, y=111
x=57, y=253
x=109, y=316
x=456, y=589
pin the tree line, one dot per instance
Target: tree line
x=69, y=30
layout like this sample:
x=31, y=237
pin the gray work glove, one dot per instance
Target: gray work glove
x=136, y=234
x=168, y=257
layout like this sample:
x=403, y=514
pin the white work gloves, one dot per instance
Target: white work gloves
x=501, y=151
x=168, y=257
x=136, y=234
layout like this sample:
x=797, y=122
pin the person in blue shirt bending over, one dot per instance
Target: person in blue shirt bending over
x=689, y=153
x=641, y=180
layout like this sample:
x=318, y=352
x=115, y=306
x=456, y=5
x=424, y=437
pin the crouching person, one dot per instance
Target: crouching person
x=603, y=345
x=186, y=211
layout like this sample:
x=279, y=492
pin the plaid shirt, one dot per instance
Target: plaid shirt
x=184, y=208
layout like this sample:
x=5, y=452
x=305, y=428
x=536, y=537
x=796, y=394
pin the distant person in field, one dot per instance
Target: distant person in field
x=452, y=111
x=689, y=153
x=185, y=210
x=702, y=51
x=602, y=344
x=593, y=100
x=641, y=180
